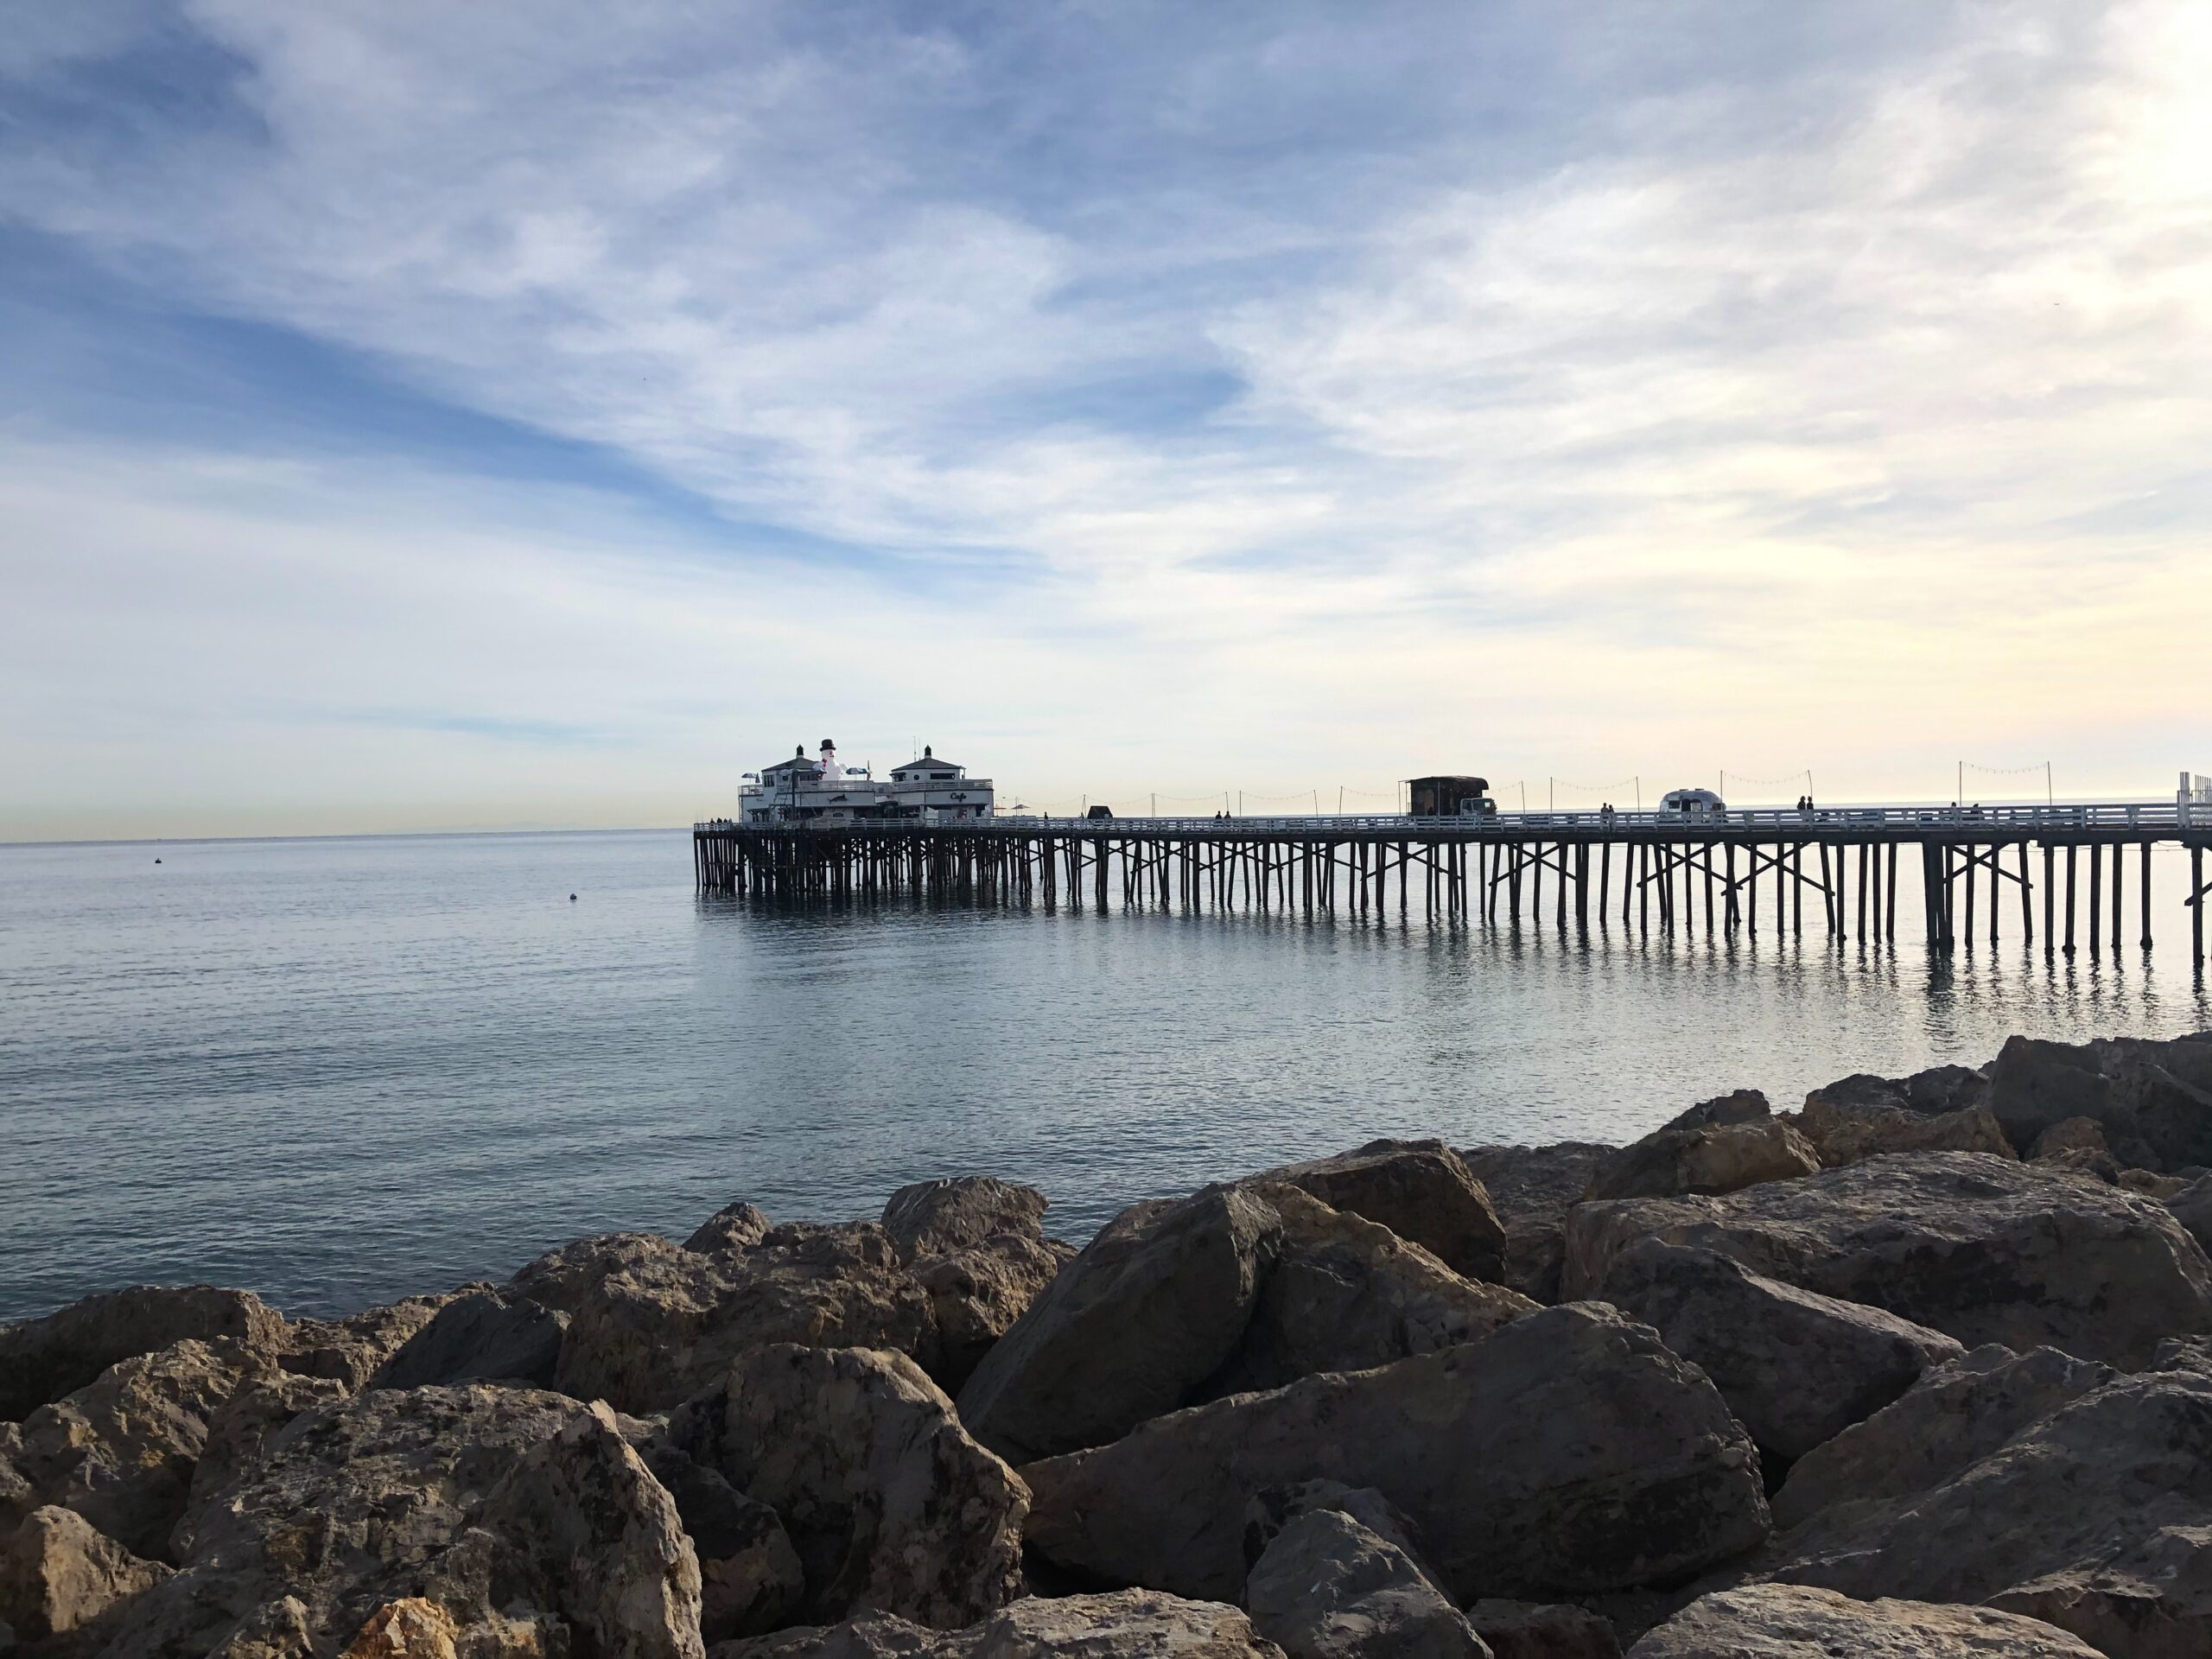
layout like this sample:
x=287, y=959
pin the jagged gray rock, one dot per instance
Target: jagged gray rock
x=977, y=1247
x=482, y=1336
x=120, y=1451
x=1532, y=1188
x=1957, y=1414
x=1983, y=1248
x=1795, y=1367
x=891, y=1506
x=349, y=1350
x=1124, y=1624
x=242, y=1424
x=1567, y=1450
x=737, y=1226
x=564, y=1277
x=750, y=1577
x=663, y=1325
x=1241, y=1287
x=1536, y=1630
x=1270, y=1511
x=1712, y=1158
x=1420, y=1189
x=472, y=1498
x=2154, y=1099
x=1737, y=1106
x=58, y=1574
x=1845, y=1124
x=2097, y=1518
x=1789, y=1621
x=41, y=1360
x=2192, y=1207
x=1328, y=1588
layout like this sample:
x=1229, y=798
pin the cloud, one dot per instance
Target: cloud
x=1279, y=379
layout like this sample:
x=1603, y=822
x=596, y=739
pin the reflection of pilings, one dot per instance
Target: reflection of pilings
x=1683, y=883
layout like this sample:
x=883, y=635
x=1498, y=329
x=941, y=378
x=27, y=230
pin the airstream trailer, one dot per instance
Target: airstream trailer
x=1694, y=804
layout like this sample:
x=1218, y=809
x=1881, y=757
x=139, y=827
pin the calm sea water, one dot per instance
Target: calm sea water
x=337, y=1072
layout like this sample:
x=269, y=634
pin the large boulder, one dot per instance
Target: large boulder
x=1712, y=1158
x=2154, y=1099
x=750, y=1577
x=662, y=1325
x=564, y=1276
x=1236, y=1287
x=524, y=1515
x=1537, y=1630
x=891, y=1506
x=1775, y=1621
x=977, y=1246
x=1270, y=1511
x=1845, y=1125
x=350, y=1350
x=244, y=1424
x=2192, y=1207
x=1983, y=1248
x=1532, y=1189
x=122, y=1450
x=1957, y=1414
x=1124, y=1624
x=1795, y=1367
x=1420, y=1189
x=1739, y=1106
x=1565, y=1451
x=58, y=1574
x=2098, y=1518
x=483, y=1336
x=41, y=1360
x=1328, y=1588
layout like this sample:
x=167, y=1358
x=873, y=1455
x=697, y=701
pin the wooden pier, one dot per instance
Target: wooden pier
x=2083, y=873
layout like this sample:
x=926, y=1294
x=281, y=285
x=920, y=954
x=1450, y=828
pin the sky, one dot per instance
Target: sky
x=423, y=416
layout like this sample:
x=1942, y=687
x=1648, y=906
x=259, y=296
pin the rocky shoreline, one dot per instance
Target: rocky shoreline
x=1922, y=1368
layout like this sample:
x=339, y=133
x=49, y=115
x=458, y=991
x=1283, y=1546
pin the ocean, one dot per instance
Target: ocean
x=337, y=1071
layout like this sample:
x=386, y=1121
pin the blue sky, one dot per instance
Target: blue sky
x=422, y=416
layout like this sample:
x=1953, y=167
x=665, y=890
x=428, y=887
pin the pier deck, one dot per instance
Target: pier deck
x=1844, y=865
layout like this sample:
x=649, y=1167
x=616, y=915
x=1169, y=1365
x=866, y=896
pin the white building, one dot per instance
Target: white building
x=825, y=792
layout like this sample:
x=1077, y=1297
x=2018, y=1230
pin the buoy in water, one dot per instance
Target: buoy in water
x=572, y=897
x=157, y=860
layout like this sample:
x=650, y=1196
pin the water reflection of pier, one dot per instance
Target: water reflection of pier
x=1846, y=868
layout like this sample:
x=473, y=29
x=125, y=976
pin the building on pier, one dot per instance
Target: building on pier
x=823, y=793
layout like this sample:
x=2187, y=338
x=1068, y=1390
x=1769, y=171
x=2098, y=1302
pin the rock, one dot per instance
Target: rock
x=750, y=1576
x=41, y=1360
x=1954, y=1415
x=1719, y=1158
x=1567, y=1450
x=732, y=1227
x=977, y=1247
x=2151, y=1184
x=1533, y=1188
x=1742, y=1106
x=1982, y=1249
x=1328, y=1588
x=1243, y=1287
x=1795, y=1367
x=563, y=1278
x=1785, y=1622
x=1536, y=1630
x=473, y=1497
x=349, y=1350
x=479, y=1336
x=2153, y=1099
x=890, y=1505
x=2192, y=1207
x=2097, y=1518
x=408, y=1629
x=1848, y=1128
x=58, y=1574
x=122, y=1450
x=1125, y=1624
x=1419, y=1189
x=663, y=1325
x=242, y=1424
x=584, y=1524
x=1270, y=1511
x=2070, y=1134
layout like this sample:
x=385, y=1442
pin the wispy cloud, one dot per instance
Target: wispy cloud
x=1430, y=379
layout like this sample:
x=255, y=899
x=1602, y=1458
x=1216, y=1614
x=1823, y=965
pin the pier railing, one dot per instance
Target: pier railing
x=2108, y=815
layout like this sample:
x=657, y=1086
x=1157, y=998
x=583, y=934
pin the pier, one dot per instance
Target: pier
x=2081, y=874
